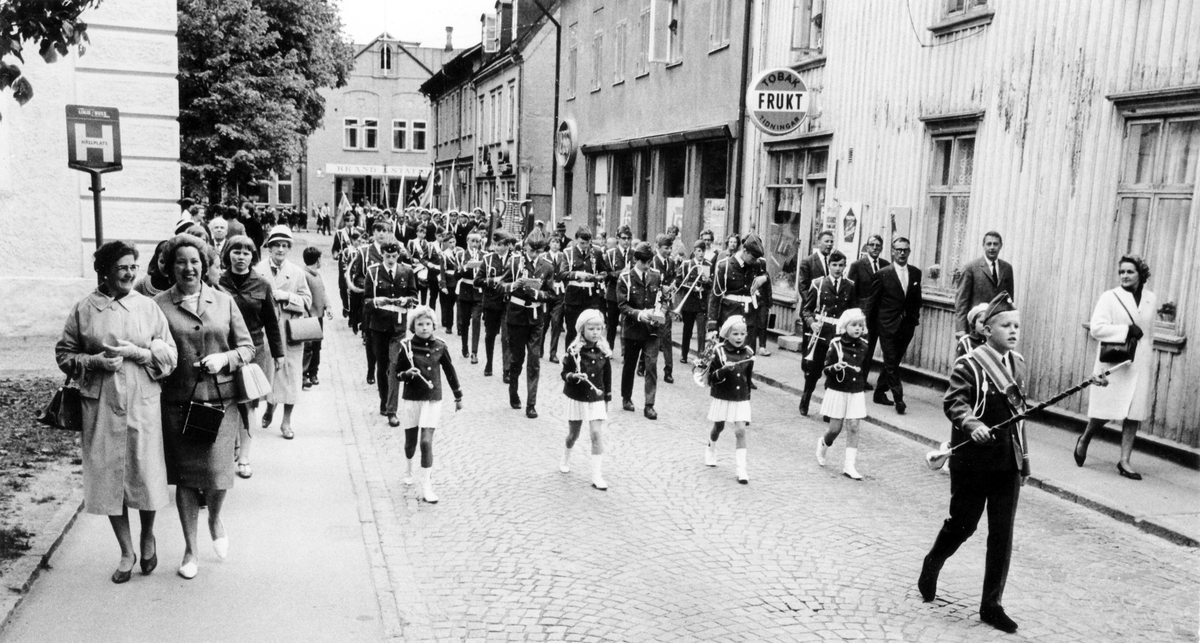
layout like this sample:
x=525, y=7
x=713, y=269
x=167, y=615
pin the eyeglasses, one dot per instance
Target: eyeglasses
x=904, y=250
x=625, y=238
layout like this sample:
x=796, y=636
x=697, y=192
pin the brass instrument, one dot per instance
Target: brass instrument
x=678, y=310
x=700, y=365
x=662, y=305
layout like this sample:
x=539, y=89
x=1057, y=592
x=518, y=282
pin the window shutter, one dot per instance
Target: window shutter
x=491, y=34
x=660, y=31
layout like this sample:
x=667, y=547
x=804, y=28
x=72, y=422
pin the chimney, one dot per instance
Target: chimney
x=504, y=15
x=449, y=41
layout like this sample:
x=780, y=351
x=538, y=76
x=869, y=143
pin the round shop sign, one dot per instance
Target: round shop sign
x=777, y=101
x=566, y=143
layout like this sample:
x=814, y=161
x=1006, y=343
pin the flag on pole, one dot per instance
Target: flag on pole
x=343, y=205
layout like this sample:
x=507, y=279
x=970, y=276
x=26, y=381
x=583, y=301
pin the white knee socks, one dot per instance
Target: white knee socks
x=742, y=476
x=848, y=469
x=427, y=486
x=565, y=465
x=598, y=478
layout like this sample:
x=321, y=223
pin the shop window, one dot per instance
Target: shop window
x=808, y=29
x=796, y=192
x=600, y=182
x=960, y=7
x=675, y=169
x=418, y=136
x=719, y=26
x=399, y=135
x=350, y=134
x=370, y=134
x=714, y=172
x=624, y=171
x=947, y=211
x=620, y=45
x=1154, y=214
x=642, y=65
x=597, y=60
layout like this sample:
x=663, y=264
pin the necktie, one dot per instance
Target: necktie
x=274, y=270
x=824, y=265
x=874, y=266
x=995, y=274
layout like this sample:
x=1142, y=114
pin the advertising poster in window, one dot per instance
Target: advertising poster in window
x=849, y=225
x=626, y=210
x=600, y=215
x=714, y=217
x=675, y=212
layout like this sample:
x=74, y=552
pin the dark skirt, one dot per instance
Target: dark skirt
x=197, y=464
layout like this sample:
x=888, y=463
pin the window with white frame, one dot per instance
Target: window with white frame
x=481, y=116
x=597, y=60
x=350, y=138
x=385, y=57
x=399, y=135
x=370, y=134
x=620, y=46
x=642, y=64
x=719, y=26
x=418, y=136
x=947, y=210
x=1154, y=205
x=675, y=27
x=959, y=7
x=808, y=29
x=494, y=118
x=512, y=110
x=572, y=62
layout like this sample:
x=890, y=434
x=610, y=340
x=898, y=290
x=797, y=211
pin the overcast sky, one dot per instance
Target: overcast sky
x=424, y=21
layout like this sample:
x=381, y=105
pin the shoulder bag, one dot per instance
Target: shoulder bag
x=252, y=383
x=65, y=410
x=304, y=329
x=203, y=421
x=1117, y=352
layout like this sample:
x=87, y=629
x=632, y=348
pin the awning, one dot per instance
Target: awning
x=674, y=138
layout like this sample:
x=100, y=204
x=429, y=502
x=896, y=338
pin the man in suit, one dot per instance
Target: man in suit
x=896, y=297
x=583, y=275
x=862, y=273
x=461, y=228
x=987, y=467
x=525, y=314
x=981, y=281
x=817, y=264
x=667, y=266
x=637, y=293
x=828, y=298
x=387, y=284
x=618, y=259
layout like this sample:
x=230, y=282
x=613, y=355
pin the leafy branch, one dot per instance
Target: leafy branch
x=51, y=25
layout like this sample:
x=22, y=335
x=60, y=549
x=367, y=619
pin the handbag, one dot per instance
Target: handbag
x=65, y=410
x=1117, y=352
x=203, y=421
x=252, y=383
x=304, y=329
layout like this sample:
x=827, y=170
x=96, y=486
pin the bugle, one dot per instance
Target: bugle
x=678, y=310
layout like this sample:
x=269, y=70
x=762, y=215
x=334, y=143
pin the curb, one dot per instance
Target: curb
x=1039, y=482
x=26, y=570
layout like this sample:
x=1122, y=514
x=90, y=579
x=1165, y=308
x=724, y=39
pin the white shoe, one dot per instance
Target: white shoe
x=848, y=469
x=408, y=474
x=742, y=476
x=189, y=570
x=710, y=456
x=427, y=487
x=821, y=449
x=597, y=478
x=565, y=464
x=221, y=545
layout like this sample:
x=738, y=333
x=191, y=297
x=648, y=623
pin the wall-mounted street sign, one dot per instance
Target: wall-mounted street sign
x=777, y=101
x=94, y=146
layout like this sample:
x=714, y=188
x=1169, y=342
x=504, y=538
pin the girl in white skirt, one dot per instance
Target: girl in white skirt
x=729, y=373
x=587, y=372
x=422, y=359
x=844, y=403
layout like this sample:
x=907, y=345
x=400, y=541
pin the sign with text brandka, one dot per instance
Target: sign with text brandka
x=777, y=101
x=93, y=138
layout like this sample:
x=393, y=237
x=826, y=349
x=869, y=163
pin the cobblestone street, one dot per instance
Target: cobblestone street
x=675, y=551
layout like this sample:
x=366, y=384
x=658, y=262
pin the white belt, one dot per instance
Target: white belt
x=535, y=306
x=458, y=288
x=744, y=300
x=826, y=319
x=582, y=284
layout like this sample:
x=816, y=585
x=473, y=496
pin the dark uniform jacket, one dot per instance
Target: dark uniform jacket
x=432, y=357
x=730, y=278
x=894, y=307
x=822, y=299
x=577, y=295
x=381, y=283
x=488, y=279
x=863, y=275
x=256, y=302
x=974, y=399
x=427, y=254
x=461, y=232
x=556, y=261
x=366, y=256
x=668, y=268
x=854, y=353
x=731, y=384
x=695, y=301
x=635, y=293
x=592, y=362
x=526, y=305
x=463, y=279
x=341, y=241
x=618, y=260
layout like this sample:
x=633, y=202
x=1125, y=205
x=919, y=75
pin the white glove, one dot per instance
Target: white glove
x=281, y=295
x=101, y=362
x=129, y=351
x=214, y=363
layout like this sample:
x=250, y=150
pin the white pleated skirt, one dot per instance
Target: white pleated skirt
x=840, y=405
x=726, y=411
x=586, y=411
x=426, y=413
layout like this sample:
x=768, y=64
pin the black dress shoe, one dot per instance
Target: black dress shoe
x=669, y=378
x=314, y=380
x=474, y=359
x=554, y=359
x=505, y=378
x=650, y=413
x=803, y=408
x=927, y=583
x=683, y=360
x=487, y=371
x=393, y=420
x=996, y=617
x=515, y=402
x=881, y=397
x=901, y=407
x=370, y=380
x=628, y=405
x=530, y=412
x=1126, y=473
x=1079, y=459
x=148, y=564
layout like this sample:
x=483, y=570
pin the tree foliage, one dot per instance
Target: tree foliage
x=250, y=74
x=53, y=25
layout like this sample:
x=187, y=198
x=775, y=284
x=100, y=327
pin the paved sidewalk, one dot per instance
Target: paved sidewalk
x=1165, y=503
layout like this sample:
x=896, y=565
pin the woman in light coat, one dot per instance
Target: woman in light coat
x=117, y=344
x=292, y=298
x=213, y=344
x=1126, y=311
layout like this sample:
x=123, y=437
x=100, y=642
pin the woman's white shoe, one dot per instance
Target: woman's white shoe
x=848, y=469
x=598, y=478
x=565, y=464
x=221, y=545
x=821, y=449
x=742, y=476
x=189, y=570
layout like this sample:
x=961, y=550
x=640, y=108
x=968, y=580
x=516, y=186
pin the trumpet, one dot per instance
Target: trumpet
x=936, y=458
x=678, y=310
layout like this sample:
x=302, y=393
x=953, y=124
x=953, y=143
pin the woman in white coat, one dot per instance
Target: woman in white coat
x=292, y=298
x=1121, y=313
